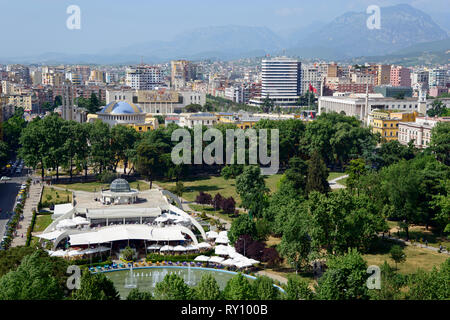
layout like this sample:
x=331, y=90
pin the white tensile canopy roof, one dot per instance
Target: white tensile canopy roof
x=201, y=258
x=124, y=232
x=61, y=209
x=50, y=235
x=166, y=248
x=179, y=248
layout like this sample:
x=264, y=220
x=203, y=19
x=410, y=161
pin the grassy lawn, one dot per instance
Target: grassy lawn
x=343, y=181
x=334, y=175
x=210, y=210
x=42, y=222
x=50, y=194
x=415, y=258
x=214, y=185
x=97, y=186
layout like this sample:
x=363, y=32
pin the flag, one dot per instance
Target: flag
x=311, y=88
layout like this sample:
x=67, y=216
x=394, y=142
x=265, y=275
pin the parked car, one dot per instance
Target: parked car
x=5, y=178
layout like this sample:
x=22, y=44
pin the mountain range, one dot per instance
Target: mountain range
x=403, y=27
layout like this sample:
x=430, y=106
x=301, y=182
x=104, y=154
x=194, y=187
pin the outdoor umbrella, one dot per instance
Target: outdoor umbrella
x=201, y=259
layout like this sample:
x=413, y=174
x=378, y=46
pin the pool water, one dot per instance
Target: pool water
x=146, y=278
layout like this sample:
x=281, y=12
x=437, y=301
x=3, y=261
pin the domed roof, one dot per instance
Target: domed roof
x=121, y=107
x=120, y=185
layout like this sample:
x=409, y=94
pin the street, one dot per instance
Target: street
x=8, y=194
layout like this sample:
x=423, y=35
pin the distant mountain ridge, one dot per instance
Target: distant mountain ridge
x=346, y=37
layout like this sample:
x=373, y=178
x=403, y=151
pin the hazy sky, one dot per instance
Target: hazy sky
x=39, y=26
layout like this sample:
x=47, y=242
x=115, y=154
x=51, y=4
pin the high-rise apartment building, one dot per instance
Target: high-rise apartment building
x=383, y=74
x=144, y=77
x=400, y=76
x=420, y=79
x=181, y=71
x=437, y=78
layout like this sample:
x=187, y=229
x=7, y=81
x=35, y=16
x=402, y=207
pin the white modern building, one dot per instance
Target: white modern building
x=144, y=77
x=281, y=81
x=437, y=78
x=80, y=229
x=310, y=75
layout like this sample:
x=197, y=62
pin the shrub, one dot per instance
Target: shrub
x=203, y=198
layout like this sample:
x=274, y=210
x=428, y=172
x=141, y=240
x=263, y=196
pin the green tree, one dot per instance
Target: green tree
x=33, y=280
x=430, y=285
x=151, y=159
x=397, y=254
x=345, y=278
x=402, y=191
x=295, y=244
x=100, y=141
x=440, y=142
x=135, y=294
x=12, y=130
x=238, y=288
x=317, y=175
x=267, y=105
x=240, y=226
x=298, y=289
x=391, y=284
x=437, y=109
x=252, y=189
x=208, y=288
x=172, y=288
x=4, y=153
x=95, y=287
x=264, y=289
x=355, y=170
x=123, y=138
x=34, y=145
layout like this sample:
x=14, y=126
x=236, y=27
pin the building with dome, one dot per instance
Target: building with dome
x=119, y=192
x=119, y=112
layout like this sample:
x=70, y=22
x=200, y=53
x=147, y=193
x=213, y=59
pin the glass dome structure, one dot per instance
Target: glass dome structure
x=120, y=185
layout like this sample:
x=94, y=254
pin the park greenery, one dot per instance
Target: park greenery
x=388, y=182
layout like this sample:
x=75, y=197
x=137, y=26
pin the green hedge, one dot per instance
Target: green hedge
x=156, y=257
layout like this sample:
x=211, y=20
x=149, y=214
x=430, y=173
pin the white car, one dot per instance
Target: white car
x=5, y=178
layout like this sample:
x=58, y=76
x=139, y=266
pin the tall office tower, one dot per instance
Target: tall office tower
x=144, y=77
x=383, y=74
x=437, y=78
x=75, y=78
x=400, y=77
x=281, y=80
x=181, y=71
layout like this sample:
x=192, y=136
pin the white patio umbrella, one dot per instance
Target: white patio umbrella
x=216, y=259
x=201, y=258
x=221, y=250
x=228, y=262
x=154, y=247
x=204, y=245
x=223, y=234
x=166, y=248
x=191, y=247
x=243, y=264
x=211, y=235
x=179, y=248
x=221, y=240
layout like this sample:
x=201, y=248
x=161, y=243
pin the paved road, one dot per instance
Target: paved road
x=8, y=194
x=334, y=184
